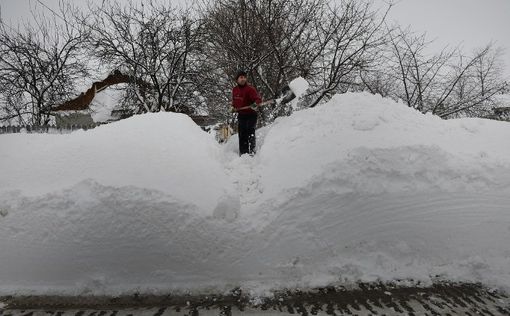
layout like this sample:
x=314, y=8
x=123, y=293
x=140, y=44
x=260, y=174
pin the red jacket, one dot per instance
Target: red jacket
x=245, y=96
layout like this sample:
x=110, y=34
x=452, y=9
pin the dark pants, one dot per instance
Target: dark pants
x=246, y=131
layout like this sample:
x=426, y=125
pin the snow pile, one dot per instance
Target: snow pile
x=165, y=152
x=361, y=188
x=361, y=143
x=111, y=207
x=376, y=190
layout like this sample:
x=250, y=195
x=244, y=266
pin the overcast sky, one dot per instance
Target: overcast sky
x=470, y=23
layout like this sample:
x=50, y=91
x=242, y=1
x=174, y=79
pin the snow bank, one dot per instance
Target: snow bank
x=364, y=188
x=111, y=208
x=361, y=188
x=165, y=152
x=362, y=143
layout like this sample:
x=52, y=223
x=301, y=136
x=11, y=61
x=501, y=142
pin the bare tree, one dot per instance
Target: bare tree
x=448, y=83
x=234, y=40
x=474, y=86
x=39, y=66
x=350, y=36
x=419, y=75
x=151, y=43
x=271, y=39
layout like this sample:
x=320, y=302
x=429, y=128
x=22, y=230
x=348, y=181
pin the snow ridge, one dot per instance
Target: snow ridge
x=359, y=189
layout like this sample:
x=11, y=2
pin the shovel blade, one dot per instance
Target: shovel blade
x=287, y=95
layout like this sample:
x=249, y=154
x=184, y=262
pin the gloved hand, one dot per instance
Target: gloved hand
x=232, y=109
x=253, y=106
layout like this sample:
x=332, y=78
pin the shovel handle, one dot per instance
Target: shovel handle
x=249, y=107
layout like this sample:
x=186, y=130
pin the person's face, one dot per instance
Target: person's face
x=241, y=80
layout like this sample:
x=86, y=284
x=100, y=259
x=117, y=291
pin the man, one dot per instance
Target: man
x=245, y=95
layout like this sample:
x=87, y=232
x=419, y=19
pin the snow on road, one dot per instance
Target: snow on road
x=359, y=189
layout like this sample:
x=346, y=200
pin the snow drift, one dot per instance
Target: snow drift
x=361, y=188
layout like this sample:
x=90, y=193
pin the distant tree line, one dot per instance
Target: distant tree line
x=183, y=60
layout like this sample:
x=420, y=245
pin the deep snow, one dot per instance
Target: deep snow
x=361, y=188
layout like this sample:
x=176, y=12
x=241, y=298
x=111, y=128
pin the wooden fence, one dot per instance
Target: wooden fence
x=63, y=128
x=51, y=129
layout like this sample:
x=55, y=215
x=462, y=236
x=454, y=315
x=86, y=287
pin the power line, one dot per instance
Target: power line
x=52, y=11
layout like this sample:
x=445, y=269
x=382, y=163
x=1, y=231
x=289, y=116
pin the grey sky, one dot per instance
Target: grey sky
x=470, y=23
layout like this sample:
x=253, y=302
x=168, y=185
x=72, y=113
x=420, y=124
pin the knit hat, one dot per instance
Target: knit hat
x=240, y=73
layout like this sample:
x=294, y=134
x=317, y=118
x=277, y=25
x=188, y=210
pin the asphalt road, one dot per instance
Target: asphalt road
x=367, y=299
